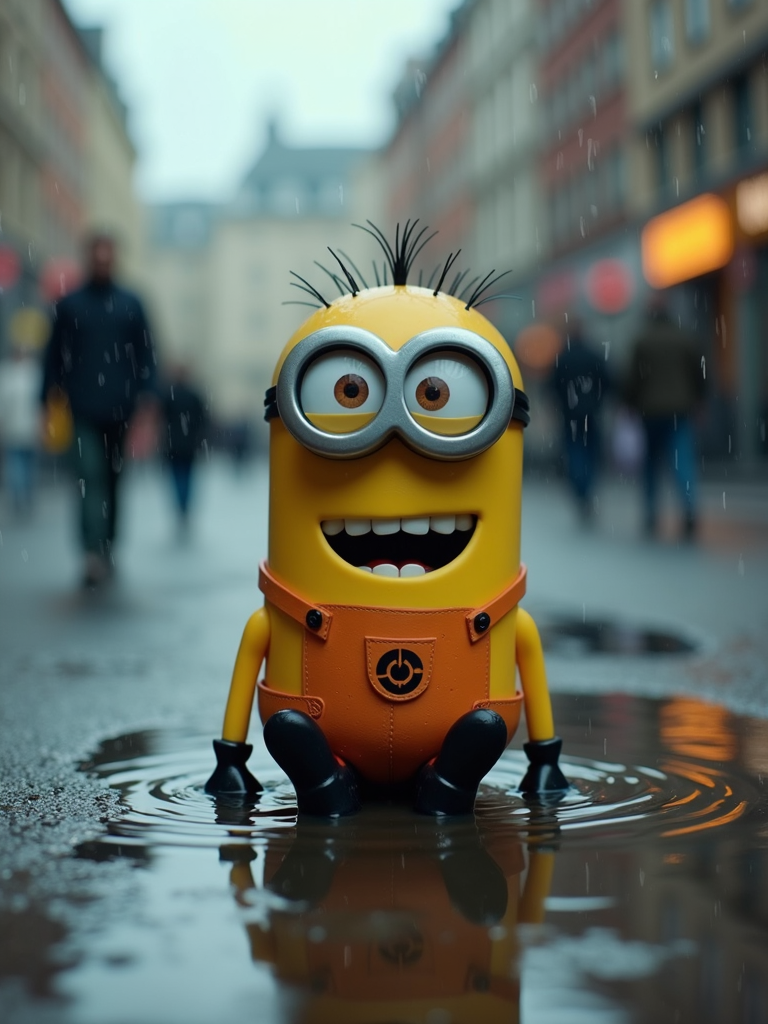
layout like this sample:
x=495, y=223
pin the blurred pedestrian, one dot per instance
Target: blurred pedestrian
x=665, y=385
x=185, y=421
x=101, y=355
x=579, y=381
x=19, y=425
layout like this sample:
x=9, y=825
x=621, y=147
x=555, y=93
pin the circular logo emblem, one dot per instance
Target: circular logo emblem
x=399, y=671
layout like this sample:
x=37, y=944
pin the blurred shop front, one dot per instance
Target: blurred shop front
x=711, y=255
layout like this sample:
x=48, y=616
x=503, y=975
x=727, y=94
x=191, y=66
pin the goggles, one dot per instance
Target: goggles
x=342, y=393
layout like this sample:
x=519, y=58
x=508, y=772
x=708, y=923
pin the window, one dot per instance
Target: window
x=697, y=20
x=742, y=111
x=699, y=147
x=662, y=34
x=612, y=61
x=659, y=145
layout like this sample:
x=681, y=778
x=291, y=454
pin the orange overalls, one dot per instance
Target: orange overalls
x=386, y=684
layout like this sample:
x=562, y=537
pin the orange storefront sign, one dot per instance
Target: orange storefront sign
x=688, y=241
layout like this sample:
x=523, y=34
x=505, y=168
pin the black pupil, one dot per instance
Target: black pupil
x=432, y=393
x=351, y=390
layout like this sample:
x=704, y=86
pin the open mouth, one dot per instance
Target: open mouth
x=404, y=548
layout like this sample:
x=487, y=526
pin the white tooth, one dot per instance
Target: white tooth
x=442, y=524
x=385, y=569
x=464, y=522
x=383, y=527
x=416, y=526
x=331, y=527
x=357, y=527
x=411, y=569
x=365, y=568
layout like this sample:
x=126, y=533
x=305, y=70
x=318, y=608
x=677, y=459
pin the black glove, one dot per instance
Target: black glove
x=231, y=777
x=543, y=775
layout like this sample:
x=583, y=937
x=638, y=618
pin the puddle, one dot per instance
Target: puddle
x=641, y=896
x=566, y=636
x=161, y=775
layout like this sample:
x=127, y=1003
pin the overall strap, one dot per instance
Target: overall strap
x=481, y=619
x=317, y=620
x=314, y=619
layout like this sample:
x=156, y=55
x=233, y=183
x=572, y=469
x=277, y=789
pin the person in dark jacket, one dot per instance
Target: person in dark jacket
x=665, y=385
x=101, y=355
x=579, y=381
x=185, y=421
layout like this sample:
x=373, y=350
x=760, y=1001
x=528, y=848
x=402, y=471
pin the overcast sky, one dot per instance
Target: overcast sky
x=202, y=77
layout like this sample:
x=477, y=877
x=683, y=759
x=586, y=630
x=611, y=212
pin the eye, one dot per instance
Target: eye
x=341, y=382
x=446, y=384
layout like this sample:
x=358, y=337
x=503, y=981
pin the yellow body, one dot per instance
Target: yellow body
x=394, y=481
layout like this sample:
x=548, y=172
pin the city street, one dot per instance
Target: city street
x=151, y=656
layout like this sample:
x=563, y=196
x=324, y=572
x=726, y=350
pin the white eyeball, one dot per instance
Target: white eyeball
x=342, y=381
x=446, y=384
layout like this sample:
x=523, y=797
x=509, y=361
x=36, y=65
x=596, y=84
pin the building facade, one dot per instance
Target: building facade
x=220, y=276
x=66, y=160
x=699, y=106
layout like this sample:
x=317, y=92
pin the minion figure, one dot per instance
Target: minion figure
x=391, y=630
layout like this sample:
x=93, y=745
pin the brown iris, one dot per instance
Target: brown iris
x=350, y=391
x=432, y=393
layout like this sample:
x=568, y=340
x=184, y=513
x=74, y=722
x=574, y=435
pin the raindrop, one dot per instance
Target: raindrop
x=82, y=486
x=101, y=380
x=586, y=872
x=642, y=877
x=607, y=349
x=533, y=92
x=24, y=555
x=703, y=368
x=723, y=499
x=741, y=565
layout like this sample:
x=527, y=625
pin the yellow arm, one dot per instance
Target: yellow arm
x=250, y=654
x=533, y=676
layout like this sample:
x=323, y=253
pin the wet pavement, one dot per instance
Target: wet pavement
x=129, y=896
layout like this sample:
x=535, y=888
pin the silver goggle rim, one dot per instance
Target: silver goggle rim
x=393, y=418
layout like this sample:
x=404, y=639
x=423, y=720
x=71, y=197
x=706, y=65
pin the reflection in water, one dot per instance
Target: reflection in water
x=423, y=918
x=642, y=896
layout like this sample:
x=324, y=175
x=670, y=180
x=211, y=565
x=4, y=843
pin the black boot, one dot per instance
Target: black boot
x=324, y=788
x=544, y=778
x=231, y=778
x=472, y=747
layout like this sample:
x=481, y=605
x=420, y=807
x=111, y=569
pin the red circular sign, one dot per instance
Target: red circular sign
x=10, y=267
x=609, y=286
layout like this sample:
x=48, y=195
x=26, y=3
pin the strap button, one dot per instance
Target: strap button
x=482, y=622
x=314, y=618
